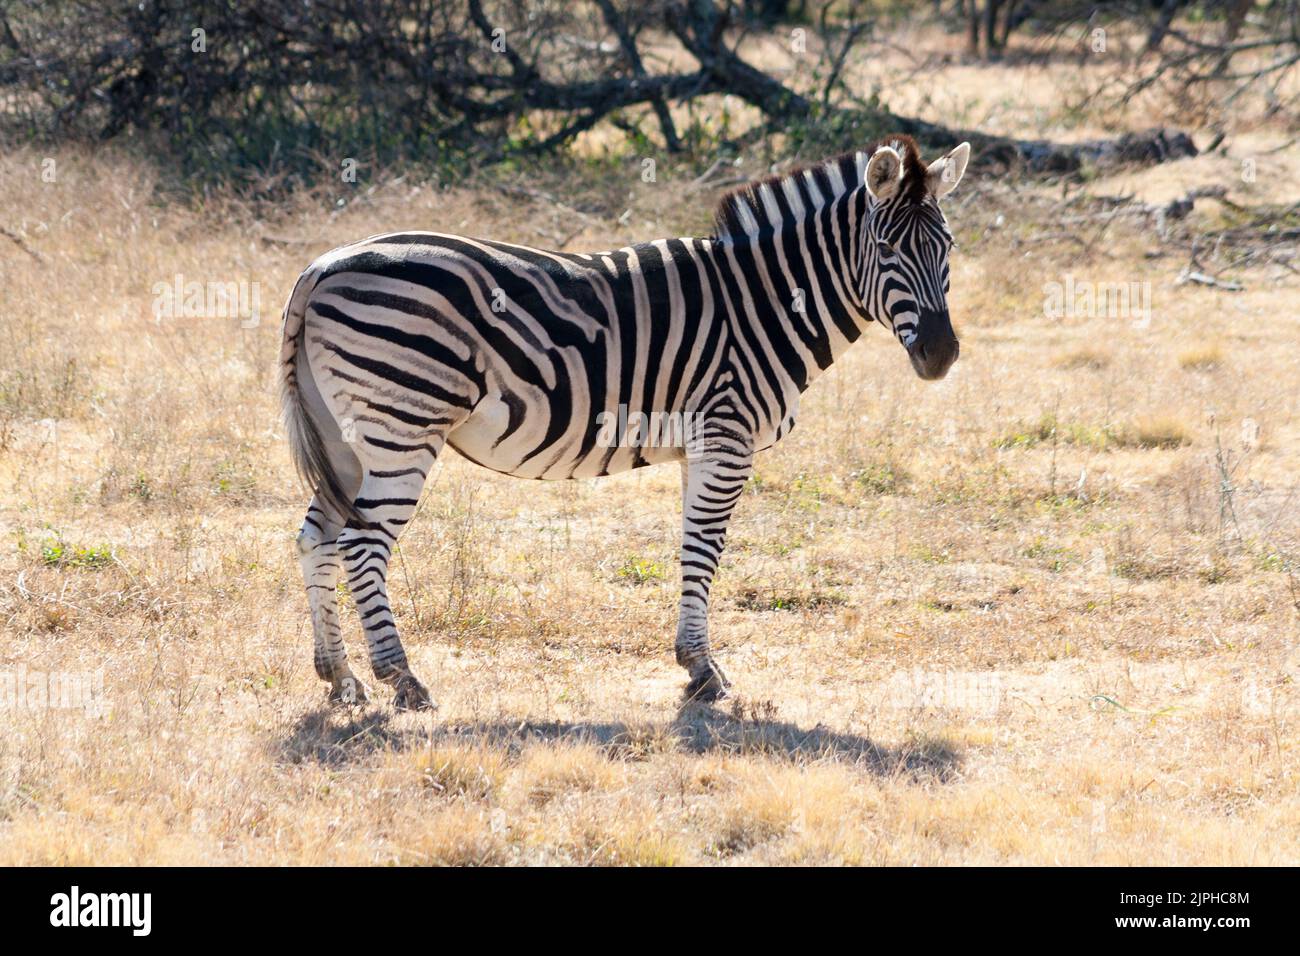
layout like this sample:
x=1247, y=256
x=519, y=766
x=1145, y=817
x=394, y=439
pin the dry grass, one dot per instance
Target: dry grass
x=1044, y=611
x=1157, y=432
x=1092, y=359
x=1201, y=358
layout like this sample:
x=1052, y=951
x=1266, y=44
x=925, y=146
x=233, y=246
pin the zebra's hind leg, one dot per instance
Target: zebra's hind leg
x=319, y=555
x=386, y=502
x=712, y=483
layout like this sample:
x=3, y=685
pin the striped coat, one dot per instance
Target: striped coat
x=556, y=365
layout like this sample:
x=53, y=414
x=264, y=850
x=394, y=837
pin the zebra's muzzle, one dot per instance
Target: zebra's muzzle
x=935, y=347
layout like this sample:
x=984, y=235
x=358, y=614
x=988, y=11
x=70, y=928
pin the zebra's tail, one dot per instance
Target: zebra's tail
x=306, y=443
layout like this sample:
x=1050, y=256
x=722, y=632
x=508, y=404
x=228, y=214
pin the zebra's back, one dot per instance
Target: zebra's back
x=523, y=357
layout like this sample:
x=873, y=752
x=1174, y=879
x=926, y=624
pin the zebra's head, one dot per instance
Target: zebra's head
x=905, y=252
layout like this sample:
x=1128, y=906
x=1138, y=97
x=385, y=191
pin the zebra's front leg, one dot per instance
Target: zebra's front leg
x=712, y=483
x=386, y=504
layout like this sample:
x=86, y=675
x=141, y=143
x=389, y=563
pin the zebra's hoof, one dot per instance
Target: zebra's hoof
x=708, y=686
x=411, y=695
x=349, y=692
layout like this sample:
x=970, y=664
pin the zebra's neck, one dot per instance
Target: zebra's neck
x=792, y=245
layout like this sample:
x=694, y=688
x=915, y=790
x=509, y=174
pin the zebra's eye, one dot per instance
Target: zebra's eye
x=885, y=250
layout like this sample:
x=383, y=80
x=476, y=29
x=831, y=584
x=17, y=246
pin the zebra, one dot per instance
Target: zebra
x=402, y=344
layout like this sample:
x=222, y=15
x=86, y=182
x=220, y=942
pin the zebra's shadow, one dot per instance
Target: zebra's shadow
x=338, y=738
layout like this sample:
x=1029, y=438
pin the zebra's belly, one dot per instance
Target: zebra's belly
x=583, y=445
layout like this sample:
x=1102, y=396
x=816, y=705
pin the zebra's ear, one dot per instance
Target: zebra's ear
x=884, y=173
x=943, y=175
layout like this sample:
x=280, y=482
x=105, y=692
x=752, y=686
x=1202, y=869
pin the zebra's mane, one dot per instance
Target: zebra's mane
x=742, y=213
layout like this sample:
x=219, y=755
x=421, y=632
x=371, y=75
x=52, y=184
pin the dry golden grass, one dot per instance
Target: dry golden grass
x=1041, y=612
x=1092, y=359
x=1157, y=432
x=1201, y=358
